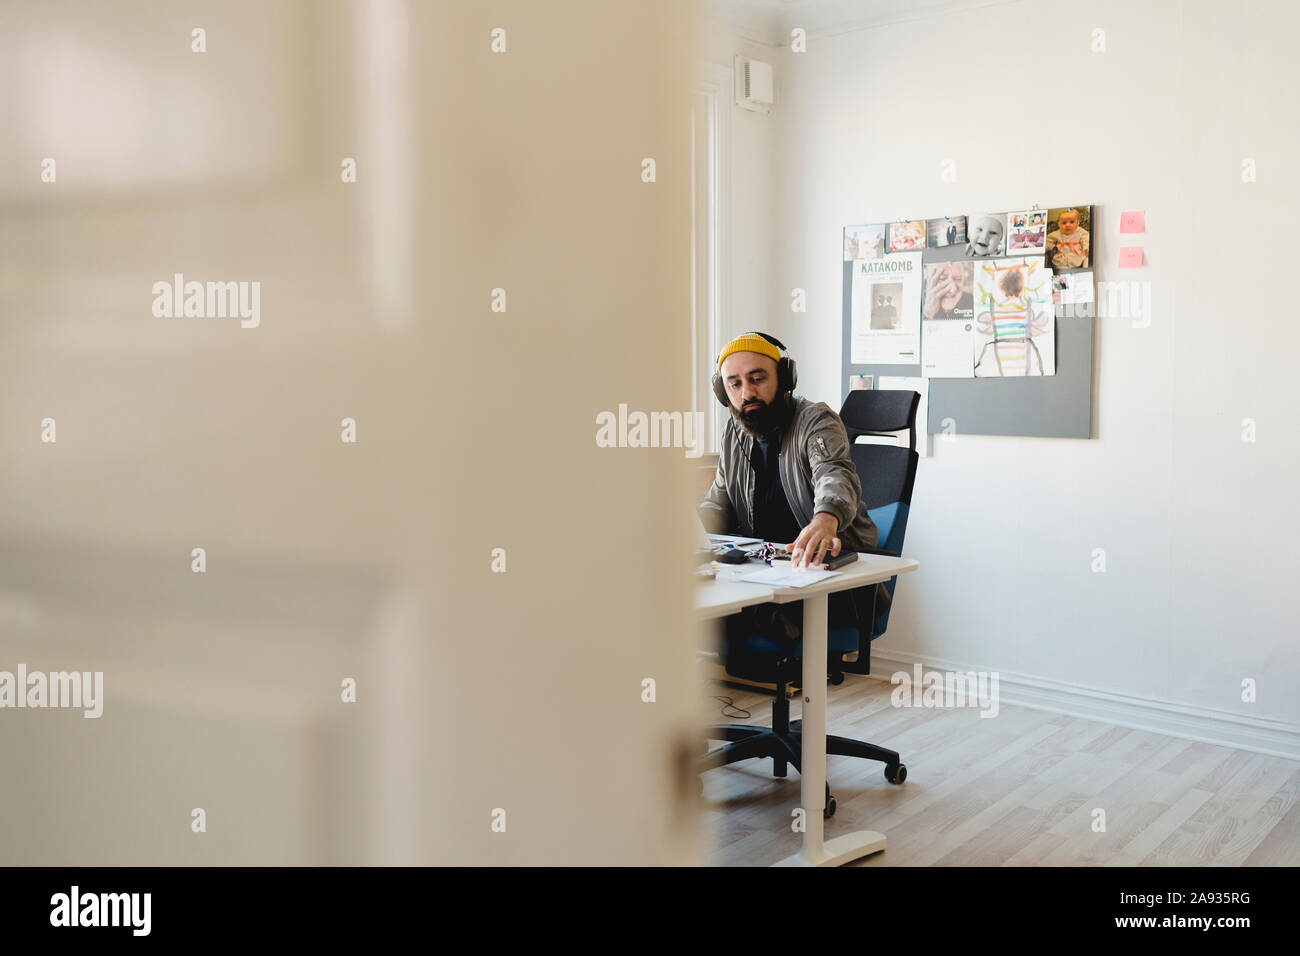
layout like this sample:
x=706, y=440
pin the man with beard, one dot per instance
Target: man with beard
x=785, y=475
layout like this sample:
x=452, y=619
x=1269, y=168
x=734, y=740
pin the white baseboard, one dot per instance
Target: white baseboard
x=1260, y=734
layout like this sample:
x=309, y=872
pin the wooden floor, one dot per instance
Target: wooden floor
x=1018, y=789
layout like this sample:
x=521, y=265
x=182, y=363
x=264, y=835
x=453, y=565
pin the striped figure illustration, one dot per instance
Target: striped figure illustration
x=1013, y=315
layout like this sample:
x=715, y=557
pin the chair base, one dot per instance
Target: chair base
x=746, y=742
x=782, y=743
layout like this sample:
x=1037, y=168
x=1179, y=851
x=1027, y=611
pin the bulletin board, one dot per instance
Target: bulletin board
x=1043, y=406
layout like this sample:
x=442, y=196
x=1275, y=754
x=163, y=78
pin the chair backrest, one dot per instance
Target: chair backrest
x=887, y=472
x=880, y=412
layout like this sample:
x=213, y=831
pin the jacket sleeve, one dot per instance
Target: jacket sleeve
x=835, y=483
x=716, y=511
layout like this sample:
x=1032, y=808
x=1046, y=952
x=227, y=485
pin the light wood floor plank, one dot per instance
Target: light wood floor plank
x=1017, y=790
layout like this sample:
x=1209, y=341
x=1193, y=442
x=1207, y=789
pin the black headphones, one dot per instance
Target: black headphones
x=786, y=372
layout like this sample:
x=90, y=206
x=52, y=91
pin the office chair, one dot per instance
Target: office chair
x=888, y=473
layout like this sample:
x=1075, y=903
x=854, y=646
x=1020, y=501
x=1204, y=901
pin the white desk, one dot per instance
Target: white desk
x=722, y=597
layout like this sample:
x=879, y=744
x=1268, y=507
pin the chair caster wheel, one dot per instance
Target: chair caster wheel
x=829, y=811
x=837, y=679
x=896, y=773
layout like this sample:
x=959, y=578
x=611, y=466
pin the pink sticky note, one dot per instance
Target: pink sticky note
x=1132, y=221
x=1130, y=257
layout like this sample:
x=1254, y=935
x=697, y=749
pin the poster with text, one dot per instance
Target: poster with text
x=1015, y=322
x=886, y=310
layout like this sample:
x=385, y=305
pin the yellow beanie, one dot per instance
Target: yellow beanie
x=749, y=342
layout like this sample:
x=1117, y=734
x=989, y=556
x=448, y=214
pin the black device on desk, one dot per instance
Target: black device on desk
x=732, y=556
x=841, y=559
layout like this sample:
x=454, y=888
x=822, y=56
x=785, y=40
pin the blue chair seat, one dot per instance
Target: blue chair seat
x=839, y=640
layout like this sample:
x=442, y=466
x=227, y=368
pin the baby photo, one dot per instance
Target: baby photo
x=1027, y=232
x=907, y=236
x=988, y=233
x=1068, y=245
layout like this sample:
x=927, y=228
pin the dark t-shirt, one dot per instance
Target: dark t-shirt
x=775, y=521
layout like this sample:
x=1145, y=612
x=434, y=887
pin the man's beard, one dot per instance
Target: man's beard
x=767, y=419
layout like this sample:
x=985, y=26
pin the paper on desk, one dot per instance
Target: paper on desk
x=786, y=577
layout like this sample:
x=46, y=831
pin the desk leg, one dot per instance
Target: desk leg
x=812, y=778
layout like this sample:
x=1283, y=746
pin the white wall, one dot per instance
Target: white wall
x=751, y=185
x=1198, y=527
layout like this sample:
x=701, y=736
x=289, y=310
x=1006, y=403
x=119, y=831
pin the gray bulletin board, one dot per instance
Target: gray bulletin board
x=1039, y=406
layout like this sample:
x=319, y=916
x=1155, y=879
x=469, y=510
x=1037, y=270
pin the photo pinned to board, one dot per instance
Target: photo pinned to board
x=907, y=236
x=1073, y=288
x=948, y=290
x=1069, y=237
x=948, y=231
x=864, y=242
x=1015, y=321
x=987, y=235
x=1026, y=232
x=860, y=383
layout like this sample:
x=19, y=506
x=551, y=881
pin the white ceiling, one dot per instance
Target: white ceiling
x=770, y=21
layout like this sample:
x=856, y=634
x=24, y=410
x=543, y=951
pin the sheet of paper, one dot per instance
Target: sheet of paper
x=913, y=384
x=1072, y=288
x=948, y=348
x=1130, y=257
x=733, y=541
x=1015, y=320
x=886, y=310
x=1133, y=221
x=948, y=320
x=786, y=578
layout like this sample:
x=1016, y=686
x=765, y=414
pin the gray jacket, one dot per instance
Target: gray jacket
x=817, y=473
